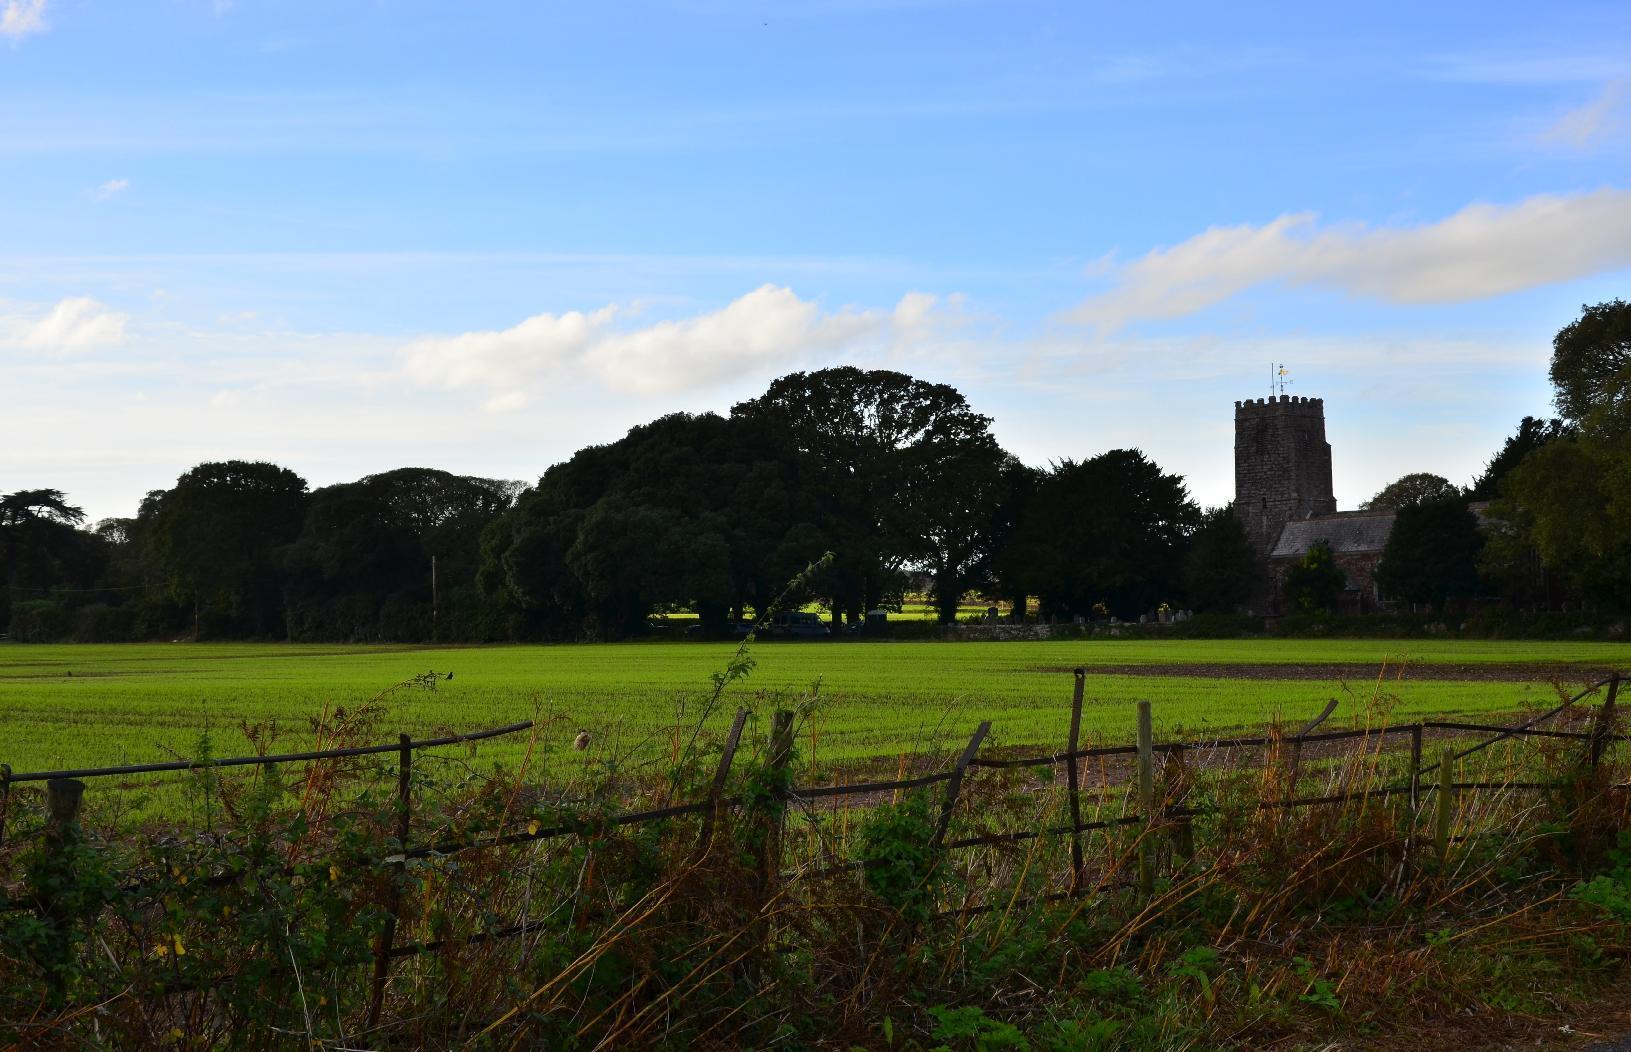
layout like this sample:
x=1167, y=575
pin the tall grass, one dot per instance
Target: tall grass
x=254, y=920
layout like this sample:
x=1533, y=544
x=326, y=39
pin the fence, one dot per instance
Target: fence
x=1171, y=815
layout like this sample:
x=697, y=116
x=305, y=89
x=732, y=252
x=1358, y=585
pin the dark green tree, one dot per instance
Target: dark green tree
x=1566, y=505
x=1569, y=501
x=218, y=533
x=1432, y=554
x=1591, y=366
x=1412, y=489
x=1221, y=569
x=1531, y=435
x=40, y=546
x=1007, y=566
x=687, y=511
x=395, y=556
x=1109, y=530
x=901, y=471
x=1315, y=583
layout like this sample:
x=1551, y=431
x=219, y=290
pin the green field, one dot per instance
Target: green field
x=70, y=706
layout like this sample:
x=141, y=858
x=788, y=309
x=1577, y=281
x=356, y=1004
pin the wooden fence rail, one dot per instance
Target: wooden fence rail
x=1176, y=813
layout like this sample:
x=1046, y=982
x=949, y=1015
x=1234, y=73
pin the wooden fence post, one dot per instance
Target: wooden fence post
x=1602, y=730
x=1412, y=840
x=1295, y=755
x=393, y=894
x=62, y=799
x=1415, y=769
x=5, y=798
x=1073, y=781
x=1443, y=806
x=955, y=784
x=1146, y=797
x=1176, y=797
x=777, y=755
x=717, y=789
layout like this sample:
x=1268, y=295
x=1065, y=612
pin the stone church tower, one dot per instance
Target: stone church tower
x=1282, y=465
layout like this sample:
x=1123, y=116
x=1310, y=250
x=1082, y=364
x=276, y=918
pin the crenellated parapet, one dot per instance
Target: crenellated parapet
x=1281, y=404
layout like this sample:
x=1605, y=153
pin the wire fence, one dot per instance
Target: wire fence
x=1172, y=814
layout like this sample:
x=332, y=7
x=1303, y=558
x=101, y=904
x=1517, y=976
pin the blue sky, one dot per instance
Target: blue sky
x=355, y=236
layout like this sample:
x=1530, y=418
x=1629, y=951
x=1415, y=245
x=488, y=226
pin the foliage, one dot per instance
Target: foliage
x=1610, y=890
x=899, y=865
x=902, y=474
x=217, y=533
x=1315, y=583
x=1112, y=529
x=1432, y=555
x=1408, y=490
x=1531, y=435
x=1570, y=503
x=1591, y=366
x=1221, y=569
x=40, y=547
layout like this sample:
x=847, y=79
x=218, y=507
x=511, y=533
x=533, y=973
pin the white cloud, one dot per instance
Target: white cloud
x=111, y=187
x=540, y=346
x=19, y=18
x=1479, y=252
x=768, y=330
x=504, y=403
x=71, y=327
x=1590, y=124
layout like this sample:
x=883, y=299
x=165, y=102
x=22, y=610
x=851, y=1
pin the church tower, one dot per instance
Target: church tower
x=1282, y=465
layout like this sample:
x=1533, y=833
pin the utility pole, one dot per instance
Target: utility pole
x=433, y=597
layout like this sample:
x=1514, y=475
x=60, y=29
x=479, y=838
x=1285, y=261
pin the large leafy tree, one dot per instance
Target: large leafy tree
x=1569, y=501
x=218, y=533
x=685, y=511
x=1221, y=568
x=1315, y=582
x=1566, y=504
x=1591, y=366
x=1432, y=554
x=40, y=544
x=904, y=474
x=393, y=555
x=1532, y=434
x=1412, y=489
x=1111, y=530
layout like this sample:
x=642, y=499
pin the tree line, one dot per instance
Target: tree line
x=1545, y=526
x=899, y=478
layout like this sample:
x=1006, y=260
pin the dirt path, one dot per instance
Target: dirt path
x=1515, y=672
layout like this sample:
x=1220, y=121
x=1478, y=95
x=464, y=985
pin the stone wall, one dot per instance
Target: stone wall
x=1358, y=597
x=1282, y=465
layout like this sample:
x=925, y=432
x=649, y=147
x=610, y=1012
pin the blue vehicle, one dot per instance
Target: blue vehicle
x=799, y=625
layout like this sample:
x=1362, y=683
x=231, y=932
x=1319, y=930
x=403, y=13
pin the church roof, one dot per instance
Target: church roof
x=1347, y=532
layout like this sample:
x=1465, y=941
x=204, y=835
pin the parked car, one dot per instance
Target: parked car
x=799, y=625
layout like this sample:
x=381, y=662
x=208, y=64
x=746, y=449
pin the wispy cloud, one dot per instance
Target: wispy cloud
x=1592, y=123
x=111, y=188
x=73, y=326
x=1558, y=65
x=21, y=18
x=1479, y=252
x=766, y=331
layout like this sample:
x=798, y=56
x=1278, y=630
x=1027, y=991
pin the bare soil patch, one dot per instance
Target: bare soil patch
x=1515, y=672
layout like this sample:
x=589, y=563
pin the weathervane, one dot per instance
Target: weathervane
x=1277, y=379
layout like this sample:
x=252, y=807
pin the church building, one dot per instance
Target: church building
x=1283, y=497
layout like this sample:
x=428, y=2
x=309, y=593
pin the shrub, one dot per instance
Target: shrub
x=39, y=621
